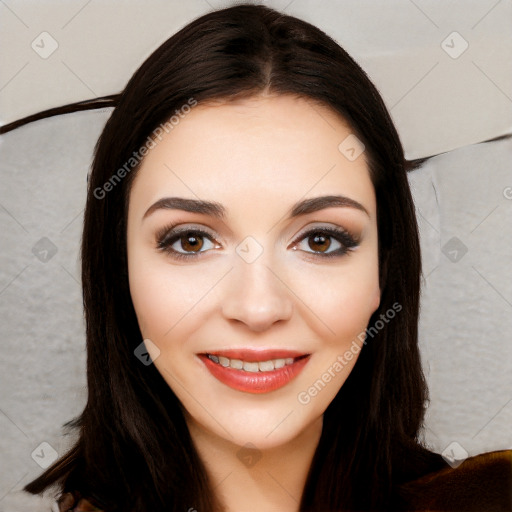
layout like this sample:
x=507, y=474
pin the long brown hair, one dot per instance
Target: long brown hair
x=134, y=451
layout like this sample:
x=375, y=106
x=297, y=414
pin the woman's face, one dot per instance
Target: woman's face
x=252, y=288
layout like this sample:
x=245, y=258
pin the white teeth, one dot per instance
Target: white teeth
x=252, y=366
x=236, y=364
x=266, y=366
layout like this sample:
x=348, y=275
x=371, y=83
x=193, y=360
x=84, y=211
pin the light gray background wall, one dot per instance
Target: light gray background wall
x=445, y=98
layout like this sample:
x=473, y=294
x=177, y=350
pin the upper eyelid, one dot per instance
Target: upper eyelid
x=173, y=230
x=178, y=226
x=162, y=233
x=329, y=227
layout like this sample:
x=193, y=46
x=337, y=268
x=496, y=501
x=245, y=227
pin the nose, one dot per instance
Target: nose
x=256, y=296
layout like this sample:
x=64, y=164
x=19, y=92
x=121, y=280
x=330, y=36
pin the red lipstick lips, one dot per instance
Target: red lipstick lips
x=254, y=371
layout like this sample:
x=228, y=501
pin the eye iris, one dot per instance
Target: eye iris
x=319, y=242
x=191, y=242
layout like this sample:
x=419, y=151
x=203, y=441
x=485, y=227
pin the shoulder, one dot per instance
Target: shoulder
x=482, y=482
x=74, y=502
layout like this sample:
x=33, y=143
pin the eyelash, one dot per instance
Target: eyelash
x=166, y=238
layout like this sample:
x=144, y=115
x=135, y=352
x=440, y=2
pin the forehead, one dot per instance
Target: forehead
x=266, y=150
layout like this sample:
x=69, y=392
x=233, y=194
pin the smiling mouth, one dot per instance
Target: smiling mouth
x=254, y=376
x=254, y=366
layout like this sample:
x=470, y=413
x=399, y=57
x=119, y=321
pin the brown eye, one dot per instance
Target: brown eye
x=185, y=243
x=326, y=242
x=191, y=242
x=319, y=242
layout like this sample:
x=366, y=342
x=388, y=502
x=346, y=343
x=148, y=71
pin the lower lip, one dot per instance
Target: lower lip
x=254, y=382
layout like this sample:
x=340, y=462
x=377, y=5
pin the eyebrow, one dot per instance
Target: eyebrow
x=216, y=210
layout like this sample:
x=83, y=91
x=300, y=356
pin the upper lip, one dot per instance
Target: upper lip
x=256, y=355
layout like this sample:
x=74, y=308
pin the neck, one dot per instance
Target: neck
x=247, y=479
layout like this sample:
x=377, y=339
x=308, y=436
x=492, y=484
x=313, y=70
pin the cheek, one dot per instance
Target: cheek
x=341, y=300
x=166, y=297
x=156, y=308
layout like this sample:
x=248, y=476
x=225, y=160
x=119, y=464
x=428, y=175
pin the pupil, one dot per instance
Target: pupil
x=321, y=242
x=192, y=243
